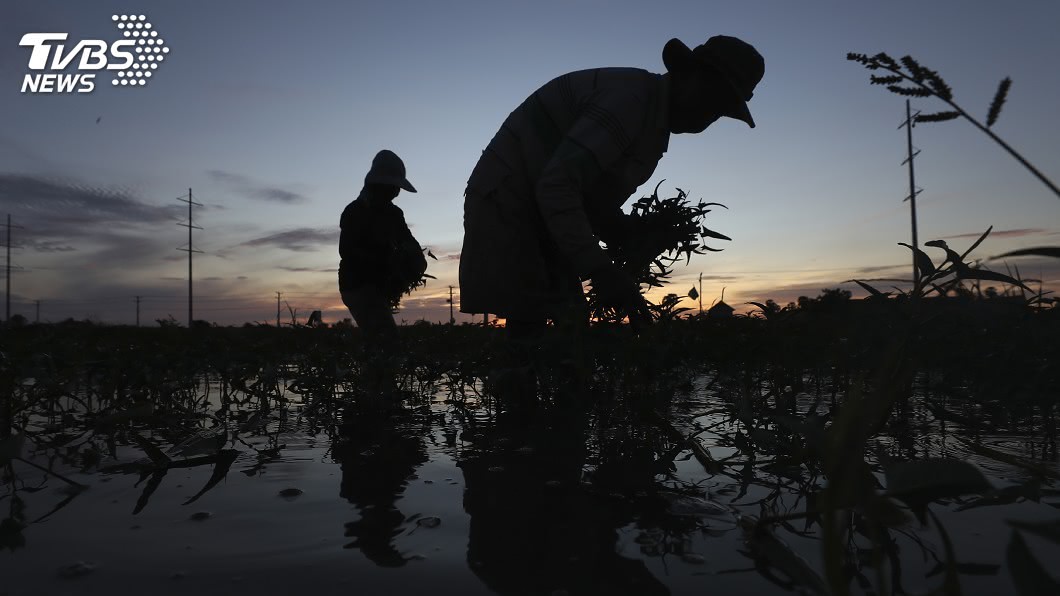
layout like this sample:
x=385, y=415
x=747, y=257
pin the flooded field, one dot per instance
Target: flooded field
x=259, y=461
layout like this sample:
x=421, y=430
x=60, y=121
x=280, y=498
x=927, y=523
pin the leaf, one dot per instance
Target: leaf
x=951, y=255
x=909, y=91
x=934, y=478
x=149, y=489
x=915, y=69
x=982, y=274
x=225, y=458
x=431, y=254
x=885, y=80
x=1050, y=530
x=923, y=261
x=1037, y=251
x=712, y=234
x=870, y=289
x=1027, y=573
x=152, y=451
x=977, y=242
x=936, y=117
x=999, y=100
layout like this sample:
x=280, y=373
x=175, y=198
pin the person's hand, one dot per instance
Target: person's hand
x=616, y=289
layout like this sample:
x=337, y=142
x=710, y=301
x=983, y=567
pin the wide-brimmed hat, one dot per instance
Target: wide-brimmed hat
x=387, y=168
x=736, y=60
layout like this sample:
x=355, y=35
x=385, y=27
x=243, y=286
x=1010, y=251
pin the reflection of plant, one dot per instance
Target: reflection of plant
x=911, y=79
x=658, y=233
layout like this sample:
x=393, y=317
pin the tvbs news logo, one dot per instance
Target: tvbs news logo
x=130, y=61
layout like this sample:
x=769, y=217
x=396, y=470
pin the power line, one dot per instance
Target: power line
x=191, y=249
x=7, y=309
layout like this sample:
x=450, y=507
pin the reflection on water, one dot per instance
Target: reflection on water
x=271, y=484
x=378, y=455
x=536, y=527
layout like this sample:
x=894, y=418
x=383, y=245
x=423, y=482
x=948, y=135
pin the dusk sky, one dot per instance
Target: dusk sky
x=272, y=111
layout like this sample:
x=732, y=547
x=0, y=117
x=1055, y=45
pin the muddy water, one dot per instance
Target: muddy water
x=448, y=499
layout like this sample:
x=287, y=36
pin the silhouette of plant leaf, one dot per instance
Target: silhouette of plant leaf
x=225, y=458
x=951, y=255
x=152, y=451
x=999, y=100
x=923, y=261
x=152, y=486
x=977, y=242
x=916, y=72
x=869, y=289
x=885, y=60
x=936, y=117
x=909, y=91
x=712, y=234
x=1037, y=251
x=885, y=80
x=984, y=275
x=1027, y=573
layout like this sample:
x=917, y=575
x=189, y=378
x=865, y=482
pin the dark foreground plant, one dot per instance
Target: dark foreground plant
x=911, y=79
x=660, y=232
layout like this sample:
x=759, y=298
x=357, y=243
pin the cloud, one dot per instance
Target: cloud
x=878, y=268
x=297, y=240
x=307, y=270
x=253, y=190
x=49, y=246
x=60, y=209
x=1017, y=233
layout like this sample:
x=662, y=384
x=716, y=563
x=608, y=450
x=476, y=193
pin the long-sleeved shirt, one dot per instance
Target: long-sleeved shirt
x=552, y=179
x=594, y=135
x=376, y=246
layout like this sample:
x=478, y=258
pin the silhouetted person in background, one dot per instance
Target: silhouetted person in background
x=550, y=185
x=380, y=258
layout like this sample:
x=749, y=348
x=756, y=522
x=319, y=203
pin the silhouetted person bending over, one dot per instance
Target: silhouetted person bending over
x=380, y=258
x=550, y=185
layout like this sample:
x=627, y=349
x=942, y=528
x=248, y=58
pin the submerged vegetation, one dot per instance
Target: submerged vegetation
x=822, y=434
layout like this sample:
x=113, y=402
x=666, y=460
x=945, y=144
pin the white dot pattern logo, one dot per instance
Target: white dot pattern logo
x=149, y=49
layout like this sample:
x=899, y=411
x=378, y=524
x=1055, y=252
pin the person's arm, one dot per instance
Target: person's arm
x=596, y=140
x=354, y=243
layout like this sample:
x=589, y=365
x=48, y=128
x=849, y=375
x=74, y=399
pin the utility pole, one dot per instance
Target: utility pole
x=190, y=250
x=277, y=310
x=913, y=190
x=7, y=307
x=37, y=320
x=138, y=311
x=452, y=321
